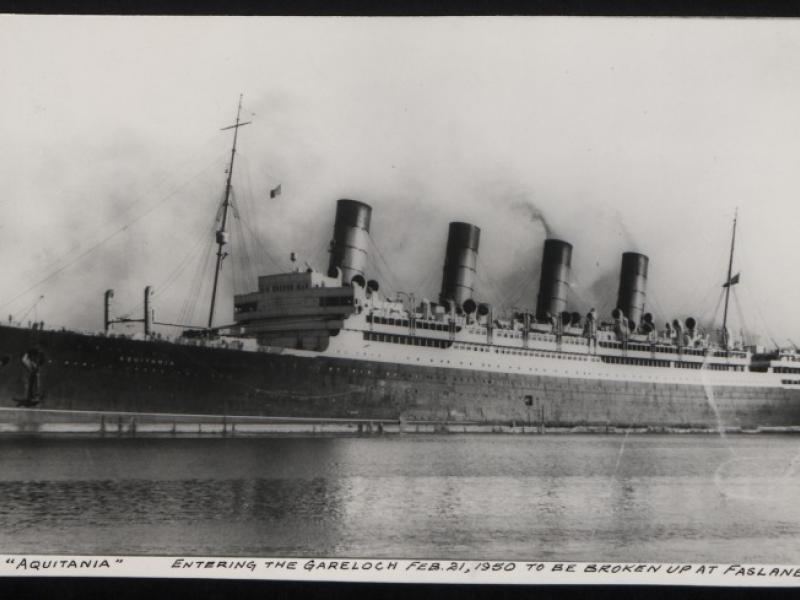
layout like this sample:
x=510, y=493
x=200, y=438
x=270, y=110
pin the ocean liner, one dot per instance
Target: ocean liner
x=329, y=349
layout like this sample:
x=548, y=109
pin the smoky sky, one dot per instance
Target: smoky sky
x=614, y=135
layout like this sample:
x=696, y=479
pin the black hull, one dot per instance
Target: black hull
x=96, y=373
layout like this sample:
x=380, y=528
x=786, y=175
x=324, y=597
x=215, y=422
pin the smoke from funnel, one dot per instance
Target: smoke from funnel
x=534, y=213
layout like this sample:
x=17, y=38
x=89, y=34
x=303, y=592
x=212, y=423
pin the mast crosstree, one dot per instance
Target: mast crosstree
x=222, y=234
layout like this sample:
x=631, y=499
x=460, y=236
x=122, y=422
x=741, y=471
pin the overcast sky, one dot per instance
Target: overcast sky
x=626, y=134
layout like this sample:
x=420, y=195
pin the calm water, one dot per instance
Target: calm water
x=581, y=497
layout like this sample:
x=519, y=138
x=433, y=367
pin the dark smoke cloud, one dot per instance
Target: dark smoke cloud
x=601, y=294
x=534, y=213
x=421, y=122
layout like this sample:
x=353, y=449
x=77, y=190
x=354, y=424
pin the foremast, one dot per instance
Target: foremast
x=222, y=234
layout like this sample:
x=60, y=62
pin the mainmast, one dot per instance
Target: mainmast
x=728, y=285
x=222, y=235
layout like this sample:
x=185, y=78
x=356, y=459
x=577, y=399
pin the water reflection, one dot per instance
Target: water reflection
x=659, y=498
x=148, y=502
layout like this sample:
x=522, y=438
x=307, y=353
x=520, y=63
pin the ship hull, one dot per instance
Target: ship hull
x=82, y=372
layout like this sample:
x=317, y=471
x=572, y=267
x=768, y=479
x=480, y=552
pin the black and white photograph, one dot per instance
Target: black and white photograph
x=401, y=297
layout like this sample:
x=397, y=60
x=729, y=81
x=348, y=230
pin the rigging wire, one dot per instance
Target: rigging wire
x=514, y=295
x=248, y=183
x=173, y=277
x=236, y=275
x=489, y=290
x=196, y=287
x=247, y=271
x=196, y=282
x=389, y=277
x=203, y=289
x=720, y=254
x=431, y=273
x=704, y=316
x=683, y=303
x=486, y=280
x=251, y=263
x=244, y=212
x=100, y=243
x=760, y=316
x=704, y=300
x=387, y=287
x=240, y=269
x=748, y=290
x=189, y=307
x=385, y=272
x=713, y=320
x=247, y=207
x=161, y=289
x=141, y=197
x=170, y=172
x=31, y=307
x=742, y=325
x=251, y=243
x=263, y=248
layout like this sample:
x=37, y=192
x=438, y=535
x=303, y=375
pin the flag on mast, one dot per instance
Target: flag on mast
x=733, y=281
x=275, y=192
